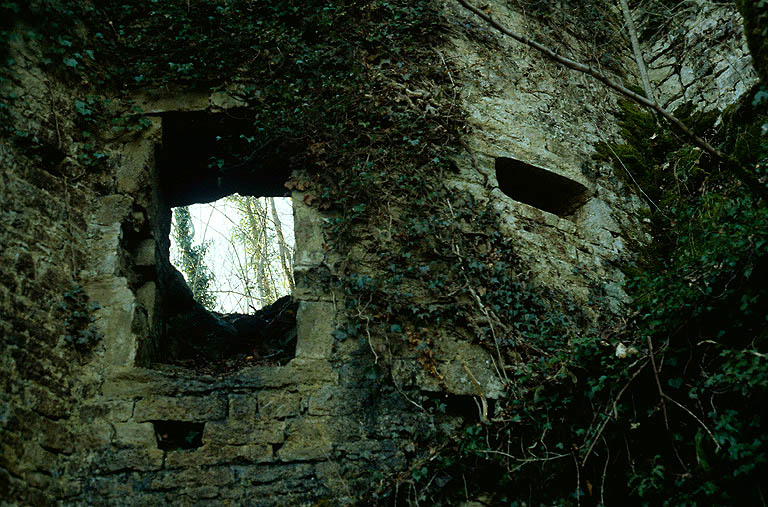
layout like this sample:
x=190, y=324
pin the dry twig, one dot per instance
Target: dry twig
x=658, y=383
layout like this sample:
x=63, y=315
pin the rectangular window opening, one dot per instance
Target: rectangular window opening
x=224, y=247
x=173, y=435
x=236, y=256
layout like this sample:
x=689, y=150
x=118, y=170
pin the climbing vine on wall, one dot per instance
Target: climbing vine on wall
x=664, y=405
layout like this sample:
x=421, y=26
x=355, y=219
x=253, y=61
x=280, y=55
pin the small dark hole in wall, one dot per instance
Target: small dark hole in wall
x=173, y=435
x=539, y=188
x=456, y=405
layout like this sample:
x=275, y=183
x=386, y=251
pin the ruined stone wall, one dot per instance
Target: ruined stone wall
x=80, y=420
x=46, y=211
x=530, y=109
x=702, y=58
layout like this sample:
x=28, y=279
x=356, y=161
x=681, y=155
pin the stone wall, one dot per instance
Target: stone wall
x=701, y=59
x=528, y=108
x=84, y=418
x=45, y=214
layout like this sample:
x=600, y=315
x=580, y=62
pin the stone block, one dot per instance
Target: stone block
x=226, y=100
x=199, y=493
x=313, y=283
x=308, y=232
x=334, y=400
x=111, y=209
x=278, y=404
x=110, y=486
x=315, y=323
x=687, y=76
x=308, y=439
x=135, y=435
x=131, y=383
x=38, y=480
x=110, y=410
x=169, y=101
x=103, y=254
x=46, y=402
x=271, y=473
x=299, y=371
x=313, y=438
x=243, y=407
x=55, y=436
x=180, y=478
x=68, y=488
x=136, y=161
x=219, y=454
x=244, y=432
x=142, y=460
x=145, y=296
x=187, y=408
x=145, y=253
x=93, y=435
x=115, y=318
x=455, y=378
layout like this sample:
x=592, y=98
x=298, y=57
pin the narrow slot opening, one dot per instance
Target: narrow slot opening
x=540, y=188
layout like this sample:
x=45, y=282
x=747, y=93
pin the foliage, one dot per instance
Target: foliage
x=681, y=423
x=78, y=320
x=609, y=419
x=192, y=258
x=351, y=97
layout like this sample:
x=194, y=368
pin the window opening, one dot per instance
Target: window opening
x=540, y=188
x=224, y=270
x=172, y=435
x=236, y=253
x=236, y=256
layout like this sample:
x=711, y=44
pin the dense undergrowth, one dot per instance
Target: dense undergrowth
x=665, y=406
x=700, y=298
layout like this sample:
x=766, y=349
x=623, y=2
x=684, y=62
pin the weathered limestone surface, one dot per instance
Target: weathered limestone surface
x=704, y=60
x=528, y=108
x=79, y=426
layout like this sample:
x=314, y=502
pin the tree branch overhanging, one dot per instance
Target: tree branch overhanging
x=743, y=173
x=637, y=50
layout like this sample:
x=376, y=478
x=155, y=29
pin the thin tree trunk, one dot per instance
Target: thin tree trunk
x=285, y=255
x=264, y=265
x=637, y=50
x=257, y=236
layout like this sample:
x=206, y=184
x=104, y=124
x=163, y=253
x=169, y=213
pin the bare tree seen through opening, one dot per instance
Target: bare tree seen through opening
x=247, y=246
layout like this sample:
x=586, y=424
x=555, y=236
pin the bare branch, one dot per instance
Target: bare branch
x=285, y=256
x=637, y=50
x=658, y=383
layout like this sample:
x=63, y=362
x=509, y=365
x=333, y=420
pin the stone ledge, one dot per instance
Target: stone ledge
x=190, y=409
x=134, y=383
x=218, y=454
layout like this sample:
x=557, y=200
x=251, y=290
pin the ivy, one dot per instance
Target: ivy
x=323, y=87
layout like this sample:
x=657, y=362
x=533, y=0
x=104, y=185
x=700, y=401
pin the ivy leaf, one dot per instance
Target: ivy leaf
x=81, y=107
